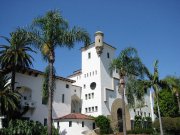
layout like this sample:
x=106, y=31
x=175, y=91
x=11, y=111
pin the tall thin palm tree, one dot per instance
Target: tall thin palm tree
x=127, y=63
x=52, y=31
x=15, y=55
x=174, y=83
x=154, y=82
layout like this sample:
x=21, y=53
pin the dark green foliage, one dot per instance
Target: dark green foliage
x=142, y=122
x=167, y=103
x=142, y=125
x=24, y=127
x=170, y=125
x=104, y=124
x=140, y=131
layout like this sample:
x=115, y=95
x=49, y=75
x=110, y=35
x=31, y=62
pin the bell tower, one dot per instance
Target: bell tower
x=99, y=42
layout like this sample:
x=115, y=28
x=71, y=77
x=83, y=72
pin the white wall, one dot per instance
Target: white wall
x=41, y=111
x=106, y=77
x=76, y=128
x=91, y=73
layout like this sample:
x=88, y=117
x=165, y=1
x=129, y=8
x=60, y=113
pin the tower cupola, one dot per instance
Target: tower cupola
x=99, y=42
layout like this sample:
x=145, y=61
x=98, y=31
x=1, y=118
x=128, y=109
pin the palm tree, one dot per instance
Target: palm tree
x=174, y=84
x=52, y=31
x=8, y=99
x=128, y=63
x=15, y=55
x=157, y=85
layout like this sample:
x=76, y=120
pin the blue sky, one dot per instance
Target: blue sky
x=151, y=26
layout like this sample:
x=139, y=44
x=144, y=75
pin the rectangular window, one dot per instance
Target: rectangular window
x=82, y=123
x=92, y=95
x=67, y=85
x=149, y=115
x=89, y=55
x=94, y=125
x=86, y=96
x=62, y=98
x=96, y=108
x=58, y=124
x=86, y=110
x=45, y=121
x=89, y=109
x=93, y=109
x=107, y=55
x=138, y=112
x=89, y=96
x=70, y=123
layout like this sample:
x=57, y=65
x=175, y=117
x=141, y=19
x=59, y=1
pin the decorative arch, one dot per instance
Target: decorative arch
x=115, y=111
x=75, y=104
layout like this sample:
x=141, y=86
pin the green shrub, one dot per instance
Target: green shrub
x=140, y=131
x=24, y=127
x=170, y=125
x=104, y=124
x=142, y=122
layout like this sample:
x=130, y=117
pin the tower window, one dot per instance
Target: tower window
x=108, y=56
x=92, y=95
x=89, y=55
x=93, y=85
x=89, y=96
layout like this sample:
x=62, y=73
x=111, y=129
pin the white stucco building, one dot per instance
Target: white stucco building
x=100, y=88
x=29, y=84
x=92, y=90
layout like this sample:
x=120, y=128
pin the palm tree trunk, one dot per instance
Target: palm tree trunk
x=50, y=90
x=160, y=122
x=13, y=78
x=177, y=96
x=122, y=87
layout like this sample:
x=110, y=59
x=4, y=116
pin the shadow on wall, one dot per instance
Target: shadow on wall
x=64, y=132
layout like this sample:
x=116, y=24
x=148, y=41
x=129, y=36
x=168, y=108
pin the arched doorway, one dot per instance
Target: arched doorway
x=116, y=115
x=75, y=104
x=120, y=120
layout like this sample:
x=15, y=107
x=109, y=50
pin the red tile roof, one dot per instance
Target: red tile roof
x=75, y=116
